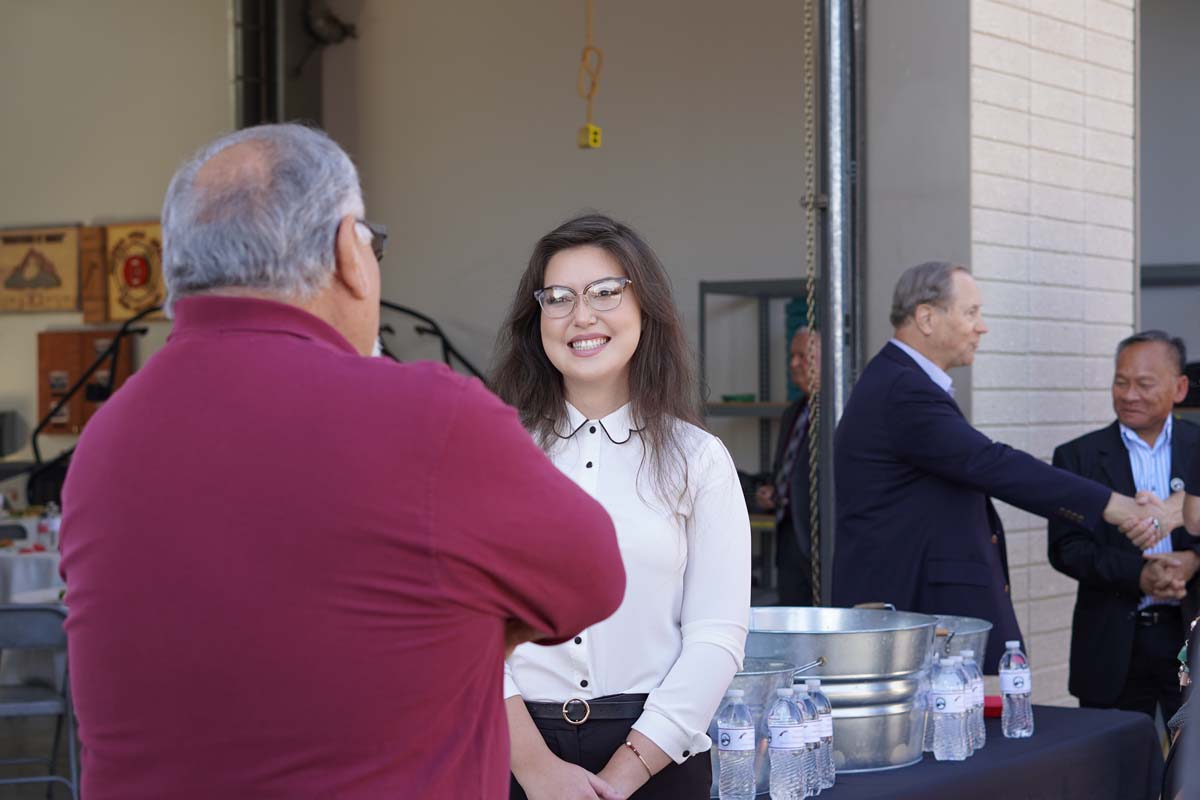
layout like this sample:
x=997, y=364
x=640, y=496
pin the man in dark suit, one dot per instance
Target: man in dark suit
x=915, y=522
x=1133, y=607
x=788, y=494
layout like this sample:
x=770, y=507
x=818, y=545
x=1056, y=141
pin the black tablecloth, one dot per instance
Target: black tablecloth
x=1097, y=754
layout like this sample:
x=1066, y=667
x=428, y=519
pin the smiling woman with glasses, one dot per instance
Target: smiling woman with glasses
x=607, y=388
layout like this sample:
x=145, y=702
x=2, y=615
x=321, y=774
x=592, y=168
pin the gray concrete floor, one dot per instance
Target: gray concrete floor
x=22, y=737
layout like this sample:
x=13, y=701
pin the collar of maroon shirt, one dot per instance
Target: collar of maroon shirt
x=220, y=312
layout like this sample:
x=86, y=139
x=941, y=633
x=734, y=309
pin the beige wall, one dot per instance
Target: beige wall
x=462, y=118
x=101, y=102
x=1052, y=229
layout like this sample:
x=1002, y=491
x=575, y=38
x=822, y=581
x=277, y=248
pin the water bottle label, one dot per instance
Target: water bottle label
x=1016, y=681
x=826, y=726
x=787, y=737
x=977, y=693
x=812, y=732
x=735, y=738
x=947, y=702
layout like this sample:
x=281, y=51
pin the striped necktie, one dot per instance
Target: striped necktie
x=783, y=478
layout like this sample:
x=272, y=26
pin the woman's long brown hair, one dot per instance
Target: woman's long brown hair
x=662, y=378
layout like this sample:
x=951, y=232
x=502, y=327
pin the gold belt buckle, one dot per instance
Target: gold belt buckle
x=587, y=711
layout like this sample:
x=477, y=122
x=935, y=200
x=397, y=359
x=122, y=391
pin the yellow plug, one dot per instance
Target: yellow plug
x=589, y=137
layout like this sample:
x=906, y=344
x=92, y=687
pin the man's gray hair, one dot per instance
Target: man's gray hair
x=269, y=227
x=928, y=283
x=1175, y=346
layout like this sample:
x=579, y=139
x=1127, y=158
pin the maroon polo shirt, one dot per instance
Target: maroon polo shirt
x=289, y=568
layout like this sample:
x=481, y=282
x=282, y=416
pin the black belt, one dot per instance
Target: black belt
x=1159, y=615
x=578, y=711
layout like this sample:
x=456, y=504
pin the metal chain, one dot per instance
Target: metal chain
x=591, y=62
x=811, y=204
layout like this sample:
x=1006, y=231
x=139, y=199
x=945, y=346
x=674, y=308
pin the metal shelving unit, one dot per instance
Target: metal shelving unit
x=765, y=410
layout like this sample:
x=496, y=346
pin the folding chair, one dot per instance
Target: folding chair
x=28, y=627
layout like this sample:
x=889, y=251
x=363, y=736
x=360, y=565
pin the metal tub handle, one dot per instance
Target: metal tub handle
x=820, y=662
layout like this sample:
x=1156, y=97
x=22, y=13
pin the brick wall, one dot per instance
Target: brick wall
x=1052, y=243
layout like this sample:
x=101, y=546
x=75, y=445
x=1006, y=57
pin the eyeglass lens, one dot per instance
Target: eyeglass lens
x=602, y=295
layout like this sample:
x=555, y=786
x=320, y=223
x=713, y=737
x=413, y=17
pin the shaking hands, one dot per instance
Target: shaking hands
x=1143, y=519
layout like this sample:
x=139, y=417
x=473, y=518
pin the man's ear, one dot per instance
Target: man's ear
x=923, y=316
x=351, y=267
x=1181, y=388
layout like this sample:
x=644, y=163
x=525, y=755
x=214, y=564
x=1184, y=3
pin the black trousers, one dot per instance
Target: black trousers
x=593, y=743
x=795, y=569
x=1153, y=677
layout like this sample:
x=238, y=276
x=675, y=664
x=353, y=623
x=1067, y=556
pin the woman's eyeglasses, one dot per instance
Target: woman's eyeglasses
x=602, y=295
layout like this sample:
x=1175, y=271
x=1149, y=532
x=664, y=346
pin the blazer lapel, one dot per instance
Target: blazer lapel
x=1183, y=448
x=1114, y=461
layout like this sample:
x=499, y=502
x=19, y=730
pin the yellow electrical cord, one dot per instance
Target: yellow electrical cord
x=591, y=61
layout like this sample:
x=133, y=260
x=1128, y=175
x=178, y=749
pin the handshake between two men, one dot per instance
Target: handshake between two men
x=1145, y=520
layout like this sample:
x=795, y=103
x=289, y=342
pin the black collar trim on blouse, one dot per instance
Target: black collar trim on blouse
x=571, y=435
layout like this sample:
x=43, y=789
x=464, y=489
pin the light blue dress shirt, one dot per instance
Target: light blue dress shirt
x=935, y=373
x=1151, y=468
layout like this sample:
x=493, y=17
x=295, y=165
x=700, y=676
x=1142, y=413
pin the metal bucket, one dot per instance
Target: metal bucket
x=874, y=663
x=955, y=634
x=759, y=679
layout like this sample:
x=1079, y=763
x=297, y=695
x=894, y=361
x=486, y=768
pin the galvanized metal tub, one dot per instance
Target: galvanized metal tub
x=955, y=634
x=874, y=662
x=759, y=679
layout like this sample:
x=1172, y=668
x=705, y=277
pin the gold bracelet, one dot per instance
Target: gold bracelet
x=649, y=771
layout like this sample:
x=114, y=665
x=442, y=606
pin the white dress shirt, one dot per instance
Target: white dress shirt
x=680, y=633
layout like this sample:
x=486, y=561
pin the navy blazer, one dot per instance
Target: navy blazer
x=915, y=522
x=1108, y=566
x=798, y=484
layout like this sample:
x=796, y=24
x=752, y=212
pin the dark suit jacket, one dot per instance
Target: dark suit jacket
x=796, y=520
x=915, y=522
x=1107, y=566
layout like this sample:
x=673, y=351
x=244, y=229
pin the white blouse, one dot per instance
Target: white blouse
x=680, y=632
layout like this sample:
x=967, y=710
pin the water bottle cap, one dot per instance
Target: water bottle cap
x=813, y=683
x=967, y=653
x=952, y=660
x=1014, y=644
x=736, y=693
x=785, y=691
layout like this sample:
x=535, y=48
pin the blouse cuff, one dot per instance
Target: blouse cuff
x=670, y=738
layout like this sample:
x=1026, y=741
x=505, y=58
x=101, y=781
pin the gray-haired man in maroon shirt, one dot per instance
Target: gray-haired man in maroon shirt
x=293, y=570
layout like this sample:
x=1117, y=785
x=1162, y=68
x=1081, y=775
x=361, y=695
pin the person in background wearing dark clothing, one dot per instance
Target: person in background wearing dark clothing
x=788, y=494
x=295, y=570
x=594, y=358
x=1133, y=606
x=915, y=521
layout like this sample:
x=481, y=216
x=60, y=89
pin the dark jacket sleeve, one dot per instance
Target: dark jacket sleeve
x=929, y=432
x=1082, y=553
x=516, y=537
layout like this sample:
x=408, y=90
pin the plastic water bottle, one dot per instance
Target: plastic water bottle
x=48, y=526
x=1016, y=683
x=736, y=748
x=924, y=687
x=787, y=747
x=948, y=701
x=825, y=768
x=812, y=740
x=975, y=726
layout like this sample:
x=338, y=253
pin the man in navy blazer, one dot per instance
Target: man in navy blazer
x=1132, y=610
x=916, y=526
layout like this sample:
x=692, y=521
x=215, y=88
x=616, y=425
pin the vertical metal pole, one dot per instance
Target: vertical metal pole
x=837, y=105
x=764, y=382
